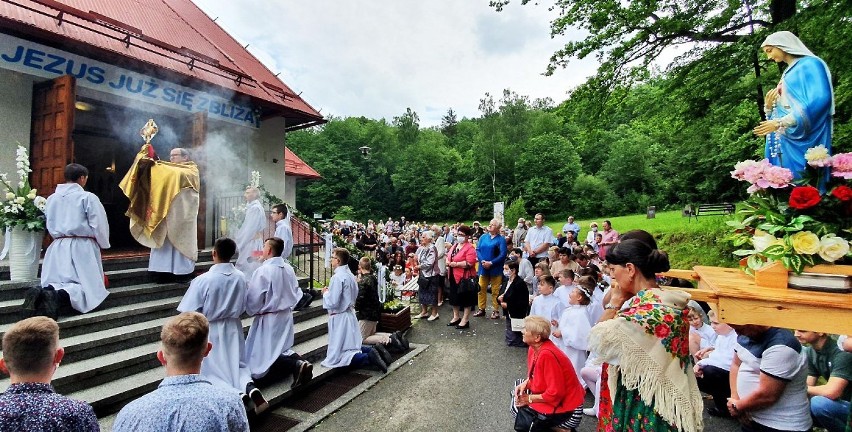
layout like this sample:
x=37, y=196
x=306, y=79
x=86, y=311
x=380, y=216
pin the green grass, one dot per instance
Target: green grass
x=688, y=243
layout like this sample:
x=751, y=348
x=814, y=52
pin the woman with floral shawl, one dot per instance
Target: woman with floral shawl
x=645, y=349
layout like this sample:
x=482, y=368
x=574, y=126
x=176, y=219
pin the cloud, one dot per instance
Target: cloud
x=376, y=58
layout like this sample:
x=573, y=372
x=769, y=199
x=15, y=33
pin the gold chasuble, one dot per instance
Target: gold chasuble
x=163, y=202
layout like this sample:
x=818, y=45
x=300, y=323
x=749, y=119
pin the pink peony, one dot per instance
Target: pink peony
x=762, y=175
x=841, y=165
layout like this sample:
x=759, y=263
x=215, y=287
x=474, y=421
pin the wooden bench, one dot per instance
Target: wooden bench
x=708, y=210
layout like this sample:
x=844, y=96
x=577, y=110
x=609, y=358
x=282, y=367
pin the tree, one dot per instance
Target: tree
x=627, y=37
x=449, y=122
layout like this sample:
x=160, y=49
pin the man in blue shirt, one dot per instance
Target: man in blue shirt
x=491, y=254
x=184, y=401
x=31, y=353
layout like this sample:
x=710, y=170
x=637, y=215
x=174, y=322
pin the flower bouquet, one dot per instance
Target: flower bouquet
x=22, y=207
x=797, y=223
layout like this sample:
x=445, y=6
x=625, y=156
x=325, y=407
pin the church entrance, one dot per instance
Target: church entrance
x=103, y=137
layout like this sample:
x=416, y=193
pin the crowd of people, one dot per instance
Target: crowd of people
x=594, y=318
x=213, y=372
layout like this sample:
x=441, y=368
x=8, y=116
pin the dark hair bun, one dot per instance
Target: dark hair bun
x=658, y=261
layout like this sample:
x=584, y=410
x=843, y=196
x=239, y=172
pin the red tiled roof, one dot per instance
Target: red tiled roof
x=165, y=34
x=295, y=166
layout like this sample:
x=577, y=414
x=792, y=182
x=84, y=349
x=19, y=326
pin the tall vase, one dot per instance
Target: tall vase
x=24, y=253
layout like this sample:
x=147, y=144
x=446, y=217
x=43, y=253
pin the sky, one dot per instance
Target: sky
x=375, y=58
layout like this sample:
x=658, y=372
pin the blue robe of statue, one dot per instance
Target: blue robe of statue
x=806, y=94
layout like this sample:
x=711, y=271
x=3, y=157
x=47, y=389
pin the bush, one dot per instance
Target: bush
x=515, y=211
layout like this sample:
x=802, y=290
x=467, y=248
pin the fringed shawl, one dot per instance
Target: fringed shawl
x=648, y=344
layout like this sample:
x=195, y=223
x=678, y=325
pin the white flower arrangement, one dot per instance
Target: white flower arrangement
x=22, y=207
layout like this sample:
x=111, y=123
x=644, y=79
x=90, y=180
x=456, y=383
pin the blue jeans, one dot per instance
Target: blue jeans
x=829, y=414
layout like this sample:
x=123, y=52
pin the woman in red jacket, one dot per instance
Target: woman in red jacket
x=461, y=263
x=551, y=390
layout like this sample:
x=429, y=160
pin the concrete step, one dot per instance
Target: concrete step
x=129, y=261
x=10, y=310
x=82, y=374
x=109, y=398
x=117, y=278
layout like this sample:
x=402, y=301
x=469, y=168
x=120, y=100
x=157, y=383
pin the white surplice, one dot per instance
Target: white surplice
x=249, y=237
x=344, y=335
x=548, y=307
x=220, y=294
x=167, y=259
x=273, y=291
x=77, y=221
x=575, y=327
x=284, y=231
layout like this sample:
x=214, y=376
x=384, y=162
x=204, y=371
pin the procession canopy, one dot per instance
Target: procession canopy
x=163, y=202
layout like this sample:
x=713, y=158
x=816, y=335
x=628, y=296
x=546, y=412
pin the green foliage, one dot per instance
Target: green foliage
x=344, y=213
x=515, y=210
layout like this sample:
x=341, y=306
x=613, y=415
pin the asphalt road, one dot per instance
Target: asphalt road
x=462, y=382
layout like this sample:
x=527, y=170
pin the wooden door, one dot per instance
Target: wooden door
x=197, y=132
x=51, y=145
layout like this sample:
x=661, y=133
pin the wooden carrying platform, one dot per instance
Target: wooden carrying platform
x=738, y=300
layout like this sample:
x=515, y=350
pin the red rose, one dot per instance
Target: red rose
x=668, y=318
x=646, y=307
x=804, y=197
x=661, y=331
x=842, y=192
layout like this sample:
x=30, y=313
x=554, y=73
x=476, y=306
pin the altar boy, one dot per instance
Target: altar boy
x=77, y=221
x=220, y=295
x=281, y=216
x=273, y=291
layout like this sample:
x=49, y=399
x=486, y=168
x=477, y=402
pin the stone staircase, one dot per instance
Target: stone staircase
x=110, y=353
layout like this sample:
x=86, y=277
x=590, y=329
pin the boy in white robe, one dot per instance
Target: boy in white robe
x=281, y=216
x=77, y=221
x=546, y=304
x=273, y=291
x=220, y=295
x=344, y=334
x=249, y=237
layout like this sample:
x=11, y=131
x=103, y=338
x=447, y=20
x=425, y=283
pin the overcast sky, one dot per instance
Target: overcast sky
x=375, y=58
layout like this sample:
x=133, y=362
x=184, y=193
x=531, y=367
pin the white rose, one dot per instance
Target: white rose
x=10, y=195
x=20, y=200
x=763, y=240
x=832, y=248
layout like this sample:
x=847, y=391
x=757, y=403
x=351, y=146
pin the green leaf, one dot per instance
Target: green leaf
x=744, y=252
x=774, y=250
x=796, y=264
x=735, y=224
x=754, y=262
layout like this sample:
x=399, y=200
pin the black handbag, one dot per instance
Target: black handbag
x=529, y=419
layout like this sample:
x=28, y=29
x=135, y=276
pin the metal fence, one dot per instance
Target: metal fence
x=308, y=257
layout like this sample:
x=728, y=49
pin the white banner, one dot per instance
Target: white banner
x=35, y=59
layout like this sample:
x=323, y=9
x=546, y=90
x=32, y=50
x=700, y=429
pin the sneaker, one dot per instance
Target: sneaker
x=376, y=360
x=246, y=400
x=50, y=303
x=495, y=315
x=260, y=403
x=403, y=340
x=592, y=412
x=32, y=301
x=479, y=313
x=383, y=351
x=395, y=344
x=304, y=373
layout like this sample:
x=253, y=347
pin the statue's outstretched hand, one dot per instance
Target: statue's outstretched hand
x=766, y=127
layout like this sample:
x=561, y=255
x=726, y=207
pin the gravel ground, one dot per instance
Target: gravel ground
x=460, y=383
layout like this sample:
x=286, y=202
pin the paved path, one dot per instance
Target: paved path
x=460, y=383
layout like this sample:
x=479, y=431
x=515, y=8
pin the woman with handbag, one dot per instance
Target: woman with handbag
x=427, y=282
x=461, y=263
x=551, y=398
x=515, y=302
